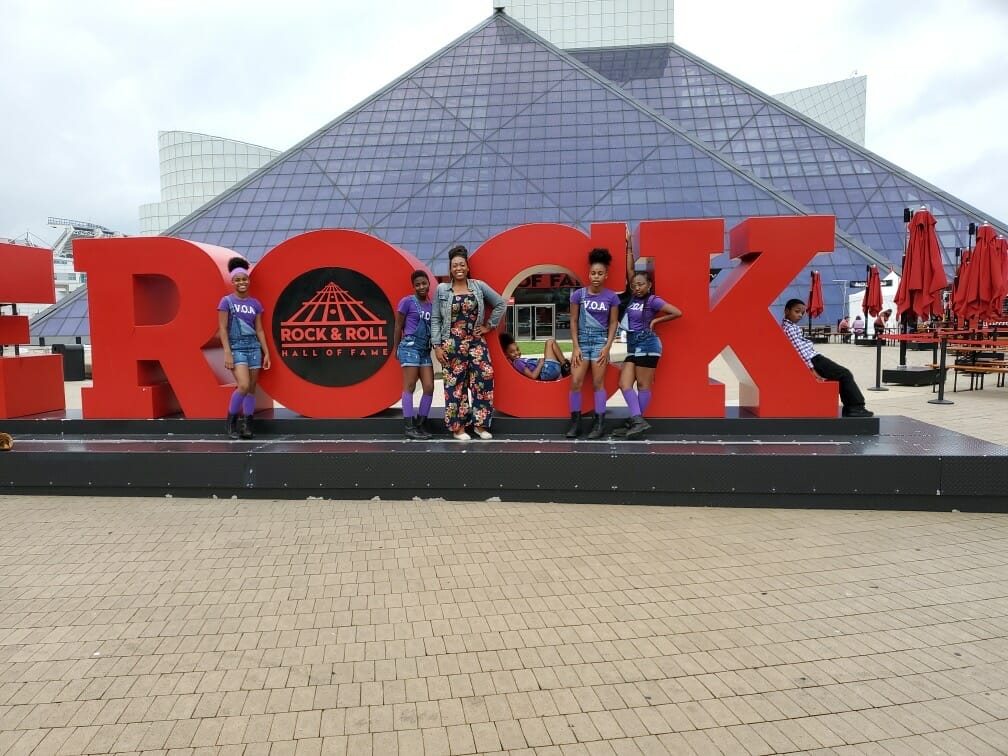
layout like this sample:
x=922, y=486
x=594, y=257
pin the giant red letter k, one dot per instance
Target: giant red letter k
x=735, y=318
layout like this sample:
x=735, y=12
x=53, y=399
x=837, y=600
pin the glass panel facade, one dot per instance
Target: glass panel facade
x=818, y=169
x=501, y=129
x=497, y=131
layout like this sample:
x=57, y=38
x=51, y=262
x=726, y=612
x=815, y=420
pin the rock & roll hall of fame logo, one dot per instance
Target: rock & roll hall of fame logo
x=332, y=326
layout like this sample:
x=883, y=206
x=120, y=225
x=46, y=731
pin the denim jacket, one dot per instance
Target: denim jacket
x=441, y=311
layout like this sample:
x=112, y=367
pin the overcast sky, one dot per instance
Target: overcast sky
x=85, y=86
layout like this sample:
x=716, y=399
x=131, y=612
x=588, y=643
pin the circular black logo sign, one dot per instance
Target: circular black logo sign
x=333, y=326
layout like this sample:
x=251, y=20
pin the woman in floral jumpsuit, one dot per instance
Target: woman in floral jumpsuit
x=459, y=324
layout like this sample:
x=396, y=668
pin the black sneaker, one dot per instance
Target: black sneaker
x=421, y=428
x=857, y=412
x=638, y=426
x=565, y=368
x=598, y=427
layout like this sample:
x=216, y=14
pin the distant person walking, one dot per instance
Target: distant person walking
x=881, y=322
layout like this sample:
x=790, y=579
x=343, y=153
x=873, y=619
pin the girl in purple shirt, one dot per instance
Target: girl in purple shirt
x=239, y=326
x=552, y=367
x=594, y=315
x=411, y=341
x=644, y=348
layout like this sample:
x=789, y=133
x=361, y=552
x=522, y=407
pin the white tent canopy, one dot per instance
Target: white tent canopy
x=890, y=283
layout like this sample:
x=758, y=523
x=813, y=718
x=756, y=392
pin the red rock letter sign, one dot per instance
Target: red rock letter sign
x=29, y=384
x=510, y=256
x=735, y=317
x=328, y=324
x=329, y=299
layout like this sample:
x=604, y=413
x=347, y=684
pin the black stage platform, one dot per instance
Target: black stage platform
x=912, y=375
x=888, y=462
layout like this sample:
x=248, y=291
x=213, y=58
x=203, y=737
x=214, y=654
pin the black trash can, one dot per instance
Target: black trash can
x=73, y=360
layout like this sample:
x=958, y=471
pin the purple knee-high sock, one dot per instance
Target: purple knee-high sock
x=575, y=401
x=407, y=404
x=600, y=397
x=248, y=405
x=644, y=397
x=632, y=403
x=234, y=404
x=425, y=403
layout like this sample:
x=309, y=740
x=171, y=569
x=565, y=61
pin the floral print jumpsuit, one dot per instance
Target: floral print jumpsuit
x=468, y=369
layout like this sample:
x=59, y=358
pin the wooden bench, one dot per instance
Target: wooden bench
x=819, y=334
x=977, y=372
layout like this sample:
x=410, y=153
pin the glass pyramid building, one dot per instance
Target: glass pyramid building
x=502, y=128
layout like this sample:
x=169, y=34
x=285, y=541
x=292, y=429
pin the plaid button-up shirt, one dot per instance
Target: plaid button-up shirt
x=802, y=345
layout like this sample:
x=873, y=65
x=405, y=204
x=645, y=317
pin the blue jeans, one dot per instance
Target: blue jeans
x=411, y=354
x=591, y=342
x=246, y=351
x=643, y=343
x=550, y=370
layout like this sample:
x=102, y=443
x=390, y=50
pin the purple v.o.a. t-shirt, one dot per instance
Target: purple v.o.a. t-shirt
x=640, y=312
x=597, y=305
x=244, y=309
x=414, y=312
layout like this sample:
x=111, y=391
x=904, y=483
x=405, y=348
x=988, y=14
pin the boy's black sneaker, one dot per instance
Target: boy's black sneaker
x=857, y=412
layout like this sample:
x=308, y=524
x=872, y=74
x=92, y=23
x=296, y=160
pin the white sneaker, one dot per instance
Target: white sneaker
x=463, y=436
x=482, y=433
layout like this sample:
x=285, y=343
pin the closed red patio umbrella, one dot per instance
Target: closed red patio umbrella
x=872, y=302
x=1002, y=254
x=815, y=305
x=923, y=277
x=955, y=296
x=982, y=282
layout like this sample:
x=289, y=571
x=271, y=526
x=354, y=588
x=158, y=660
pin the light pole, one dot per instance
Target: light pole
x=843, y=283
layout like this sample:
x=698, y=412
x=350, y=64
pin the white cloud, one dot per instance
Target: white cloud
x=937, y=94
x=86, y=86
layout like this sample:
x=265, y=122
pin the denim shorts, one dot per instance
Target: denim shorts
x=643, y=344
x=410, y=355
x=550, y=370
x=246, y=354
x=591, y=344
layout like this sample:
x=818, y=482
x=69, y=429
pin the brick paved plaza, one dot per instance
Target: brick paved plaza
x=170, y=626
x=180, y=626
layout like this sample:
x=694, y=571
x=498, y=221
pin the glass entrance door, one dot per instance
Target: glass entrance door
x=531, y=322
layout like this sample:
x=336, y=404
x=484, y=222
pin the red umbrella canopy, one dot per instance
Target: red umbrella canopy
x=955, y=296
x=1001, y=253
x=923, y=279
x=815, y=299
x=872, y=302
x=982, y=282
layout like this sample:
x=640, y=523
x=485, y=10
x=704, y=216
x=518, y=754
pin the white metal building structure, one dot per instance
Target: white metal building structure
x=195, y=168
